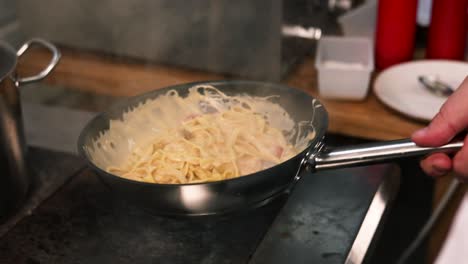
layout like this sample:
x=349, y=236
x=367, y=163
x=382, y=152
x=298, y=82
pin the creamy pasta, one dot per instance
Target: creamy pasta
x=208, y=136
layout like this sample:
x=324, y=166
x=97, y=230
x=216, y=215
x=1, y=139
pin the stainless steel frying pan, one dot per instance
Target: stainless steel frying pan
x=255, y=189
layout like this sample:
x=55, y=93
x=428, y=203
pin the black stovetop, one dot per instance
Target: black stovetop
x=83, y=222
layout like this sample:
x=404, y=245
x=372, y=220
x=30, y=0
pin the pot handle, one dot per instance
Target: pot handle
x=371, y=153
x=53, y=62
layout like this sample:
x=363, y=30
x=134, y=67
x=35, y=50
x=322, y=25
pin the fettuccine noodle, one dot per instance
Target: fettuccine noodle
x=212, y=137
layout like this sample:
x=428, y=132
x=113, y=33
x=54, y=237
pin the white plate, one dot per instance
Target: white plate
x=398, y=86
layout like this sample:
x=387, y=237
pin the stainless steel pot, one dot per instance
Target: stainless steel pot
x=257, y=188
x=14, y=180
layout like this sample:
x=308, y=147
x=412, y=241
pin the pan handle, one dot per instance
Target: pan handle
x=53, y=61
x=371, y=153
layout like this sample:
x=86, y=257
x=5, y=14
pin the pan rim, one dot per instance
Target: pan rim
x=320, y=132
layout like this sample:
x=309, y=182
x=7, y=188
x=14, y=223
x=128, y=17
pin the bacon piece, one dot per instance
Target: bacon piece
x=277, y=151
x=191, y=116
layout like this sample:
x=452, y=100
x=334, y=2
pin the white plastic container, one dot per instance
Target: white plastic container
x=344, y=66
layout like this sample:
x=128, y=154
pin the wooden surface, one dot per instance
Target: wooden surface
x=113, y=76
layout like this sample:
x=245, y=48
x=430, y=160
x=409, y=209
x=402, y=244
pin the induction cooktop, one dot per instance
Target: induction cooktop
x=73, y=217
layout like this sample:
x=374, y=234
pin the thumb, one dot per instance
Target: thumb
x=451, y=119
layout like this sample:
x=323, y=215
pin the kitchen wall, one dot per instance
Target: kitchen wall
x=9, y=26
x=240, y=37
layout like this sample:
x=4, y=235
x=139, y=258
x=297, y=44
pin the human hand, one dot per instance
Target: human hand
x=451, y=120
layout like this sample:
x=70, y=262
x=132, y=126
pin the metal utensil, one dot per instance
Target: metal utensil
x=435, y=85
x=14, y=180
x=257, y=188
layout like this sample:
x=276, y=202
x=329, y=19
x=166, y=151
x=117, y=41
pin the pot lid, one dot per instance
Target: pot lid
x=7, y=60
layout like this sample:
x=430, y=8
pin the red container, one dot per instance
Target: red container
x=395, y=33
x=447, y=31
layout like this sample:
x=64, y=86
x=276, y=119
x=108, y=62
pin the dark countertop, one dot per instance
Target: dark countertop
x=84, y=223
x=49, y=171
